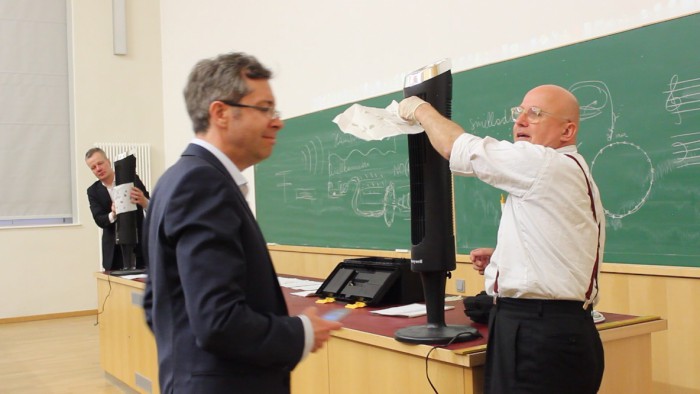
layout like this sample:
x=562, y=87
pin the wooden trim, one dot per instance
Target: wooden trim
x=471, y=350
x=622, y=323
x=652, y=270
x=22, y=319
x=639, y=327
x=389, y=343
x=118, y=279
x=616, y=268
x=338, y=251
x=635, y=326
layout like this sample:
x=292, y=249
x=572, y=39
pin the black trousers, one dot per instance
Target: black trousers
x=542, y=346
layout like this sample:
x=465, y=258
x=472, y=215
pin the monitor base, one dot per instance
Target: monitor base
x=436, y=334
x=130, y=271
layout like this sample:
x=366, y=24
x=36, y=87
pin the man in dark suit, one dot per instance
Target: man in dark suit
x=103, y=212
x=212, y=297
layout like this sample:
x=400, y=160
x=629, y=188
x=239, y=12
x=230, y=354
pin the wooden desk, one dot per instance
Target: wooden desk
x=365, y=358
x=127, y=347
x=357, y=360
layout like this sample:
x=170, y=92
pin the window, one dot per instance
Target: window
x=36, y=157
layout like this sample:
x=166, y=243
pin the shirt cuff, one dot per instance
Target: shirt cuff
x=308, y=335
x=112, y=217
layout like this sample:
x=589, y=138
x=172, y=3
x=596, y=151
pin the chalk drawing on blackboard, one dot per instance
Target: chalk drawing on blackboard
x=364, y=176
x=373, y=198
x=305, y=194
x=595, y=100
x=283, y=184
x=632, y=184
x=491, y=120
x=311, y=155
x=682, y=96
x=688, y=153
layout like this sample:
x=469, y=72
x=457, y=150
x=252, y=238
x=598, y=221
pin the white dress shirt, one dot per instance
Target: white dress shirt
x=548, y=238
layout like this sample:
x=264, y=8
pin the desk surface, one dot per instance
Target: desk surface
x=362, y=320
x=379, y=329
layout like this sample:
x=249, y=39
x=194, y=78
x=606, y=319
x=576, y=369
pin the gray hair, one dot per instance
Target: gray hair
x=219, y=78
x=92, y=151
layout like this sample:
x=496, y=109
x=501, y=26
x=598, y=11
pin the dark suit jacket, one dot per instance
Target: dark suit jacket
x=212, y=296
x=101, y=206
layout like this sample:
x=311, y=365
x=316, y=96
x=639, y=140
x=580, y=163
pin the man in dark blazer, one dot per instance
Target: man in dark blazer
x=212, y=297
x=103, y=212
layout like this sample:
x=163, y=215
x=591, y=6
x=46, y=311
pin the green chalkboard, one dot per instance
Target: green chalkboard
x=639, y=93
x=322, y=187
x=640, y=104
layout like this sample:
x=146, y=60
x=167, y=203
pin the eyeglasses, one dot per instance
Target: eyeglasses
x=534, y=114
x=270, y=112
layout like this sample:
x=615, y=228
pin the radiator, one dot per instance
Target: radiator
x=142, y=152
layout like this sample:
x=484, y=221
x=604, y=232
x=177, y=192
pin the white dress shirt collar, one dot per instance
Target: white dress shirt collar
x=228, y=164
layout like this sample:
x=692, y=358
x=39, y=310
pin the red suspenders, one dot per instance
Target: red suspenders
x=594, y=274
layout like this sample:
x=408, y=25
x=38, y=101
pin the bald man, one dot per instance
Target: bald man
x=543, y=272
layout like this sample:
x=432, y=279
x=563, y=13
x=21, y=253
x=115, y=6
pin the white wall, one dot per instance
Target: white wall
x=327, y=53
x=117, y=99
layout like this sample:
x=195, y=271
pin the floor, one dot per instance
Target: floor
x=57, y=356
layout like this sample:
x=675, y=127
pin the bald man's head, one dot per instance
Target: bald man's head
x=550, y=117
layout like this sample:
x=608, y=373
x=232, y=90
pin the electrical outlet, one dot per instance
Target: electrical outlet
x=459, y=285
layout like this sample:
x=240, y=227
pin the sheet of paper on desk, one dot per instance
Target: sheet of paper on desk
x=307, y=287
x=374, y=124
x=410, y=310
x=306, y=293
x=135, y=276
x=296, y=283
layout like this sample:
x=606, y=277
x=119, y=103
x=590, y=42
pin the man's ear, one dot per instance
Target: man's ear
x=569, y=133
x=218, y=114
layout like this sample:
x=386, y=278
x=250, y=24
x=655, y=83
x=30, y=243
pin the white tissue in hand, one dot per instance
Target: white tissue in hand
x=373, y=124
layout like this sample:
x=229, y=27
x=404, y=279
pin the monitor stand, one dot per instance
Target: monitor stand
x=135, y=271
x=129, y=262
x=436, y=331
